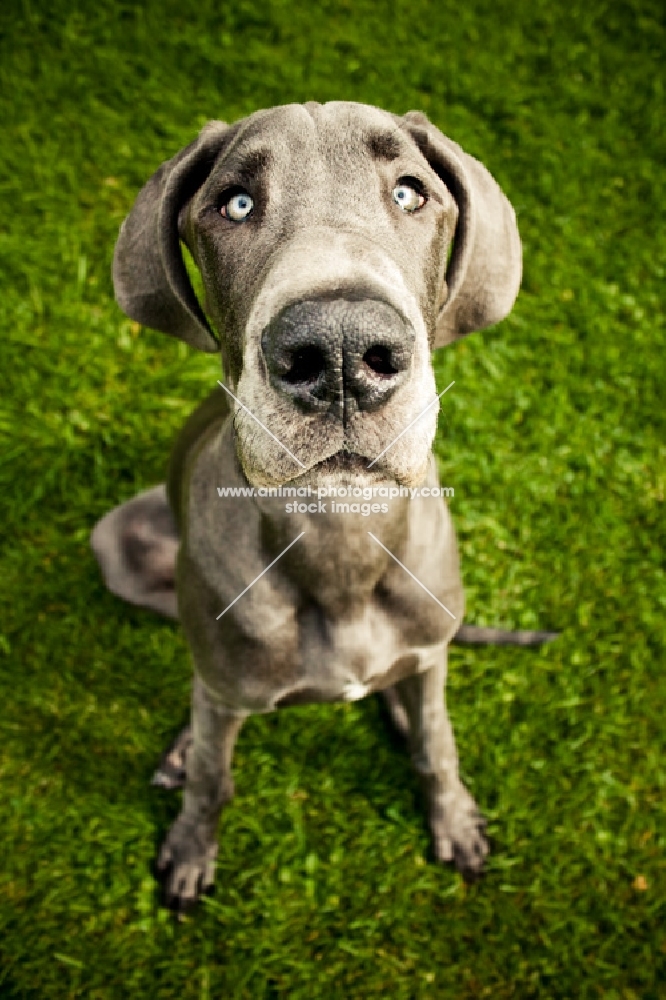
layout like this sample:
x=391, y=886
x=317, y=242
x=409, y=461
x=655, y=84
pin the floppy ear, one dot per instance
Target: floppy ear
x=149, y=275
x=484, y=272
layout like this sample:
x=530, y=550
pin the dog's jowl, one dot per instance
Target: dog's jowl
x=300, y=537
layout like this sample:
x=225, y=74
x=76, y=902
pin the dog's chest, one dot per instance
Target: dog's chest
x=345, y=660
x=271, y=655
x=281, y=609
x=271, y=648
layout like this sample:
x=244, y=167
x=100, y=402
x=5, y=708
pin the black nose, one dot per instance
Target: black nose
x=338, y=353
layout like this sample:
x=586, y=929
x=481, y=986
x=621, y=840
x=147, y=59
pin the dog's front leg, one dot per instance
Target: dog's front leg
x=187, y=857
x=455, y=820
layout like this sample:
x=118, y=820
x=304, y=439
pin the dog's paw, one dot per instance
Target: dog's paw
x=186, y=865
x=171, y=770
x=458, y=834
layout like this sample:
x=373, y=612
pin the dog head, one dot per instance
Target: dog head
x=338, y=245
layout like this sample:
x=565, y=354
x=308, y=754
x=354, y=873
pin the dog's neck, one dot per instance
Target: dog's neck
x=343, y=535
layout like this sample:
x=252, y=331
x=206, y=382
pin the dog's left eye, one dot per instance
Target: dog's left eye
x=238, y=207
x=409, y=198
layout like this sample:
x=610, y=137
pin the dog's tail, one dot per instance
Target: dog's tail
x=476, y=635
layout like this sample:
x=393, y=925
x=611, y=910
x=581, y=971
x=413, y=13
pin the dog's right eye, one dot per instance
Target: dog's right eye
x=407, y=194
x=238, y=207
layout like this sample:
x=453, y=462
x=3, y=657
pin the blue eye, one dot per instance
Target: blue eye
x=408, y=198
x=238, y=207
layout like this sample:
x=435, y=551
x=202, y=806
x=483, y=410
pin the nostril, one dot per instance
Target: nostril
x=307, y=364
x=378, y=360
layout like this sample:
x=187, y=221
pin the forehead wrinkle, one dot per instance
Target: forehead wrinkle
x=286, y=135
x=248, y=162
x=383, y=145
x=253, y=136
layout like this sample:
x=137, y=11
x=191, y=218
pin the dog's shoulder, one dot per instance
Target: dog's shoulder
x=207, y=418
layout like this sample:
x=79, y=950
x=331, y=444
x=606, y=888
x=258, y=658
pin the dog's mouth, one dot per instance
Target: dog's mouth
x=342, y=461
x=345, y=468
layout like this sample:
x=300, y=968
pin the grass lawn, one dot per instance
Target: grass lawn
x=553, y=440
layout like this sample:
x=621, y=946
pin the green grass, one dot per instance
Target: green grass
x=553, y=440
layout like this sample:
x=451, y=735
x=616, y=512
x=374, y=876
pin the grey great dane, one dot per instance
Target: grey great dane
x=338, y=245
